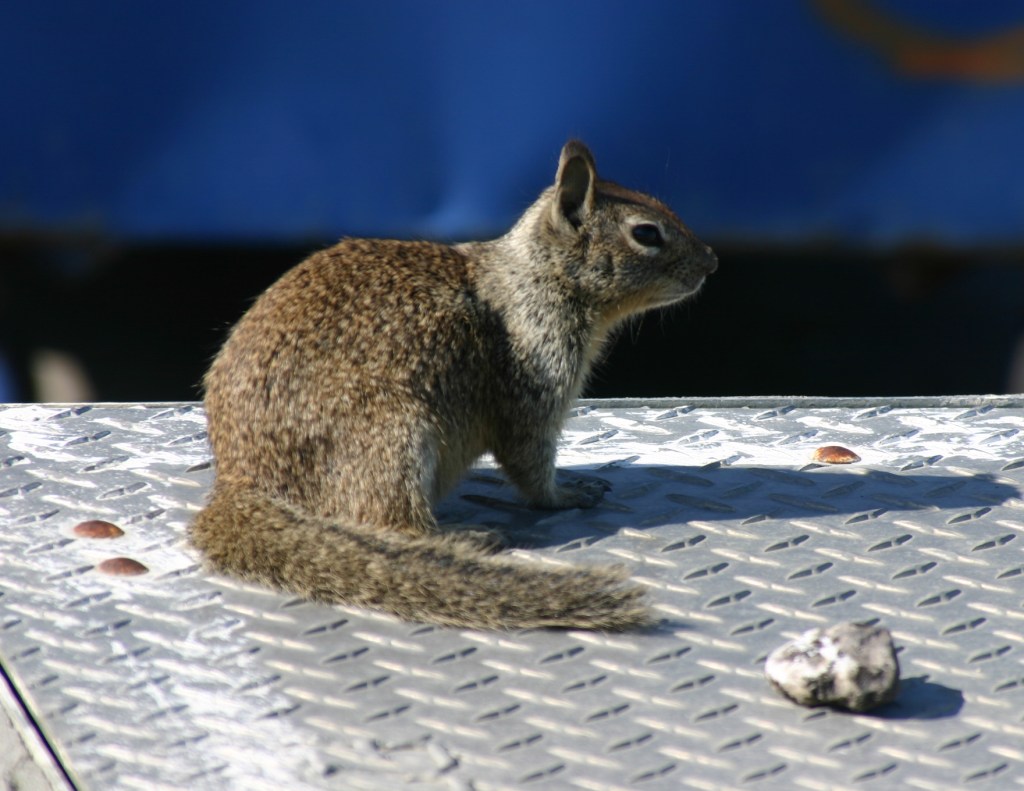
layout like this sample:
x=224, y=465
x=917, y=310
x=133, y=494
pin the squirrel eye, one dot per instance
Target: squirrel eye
x=648, y=234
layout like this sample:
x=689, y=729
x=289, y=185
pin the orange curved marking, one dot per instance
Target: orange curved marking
x=920, y=53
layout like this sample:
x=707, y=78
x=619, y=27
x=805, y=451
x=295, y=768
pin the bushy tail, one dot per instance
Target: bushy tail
x=436, y=579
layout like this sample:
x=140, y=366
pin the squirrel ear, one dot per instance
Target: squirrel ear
x=574, y=184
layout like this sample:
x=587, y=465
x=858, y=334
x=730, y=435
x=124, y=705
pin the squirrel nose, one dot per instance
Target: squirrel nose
x=709, y=260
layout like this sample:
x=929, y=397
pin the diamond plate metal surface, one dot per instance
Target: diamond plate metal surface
x=178, y=679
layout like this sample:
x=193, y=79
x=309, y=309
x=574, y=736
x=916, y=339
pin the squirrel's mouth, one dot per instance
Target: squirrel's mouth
x=678, y=292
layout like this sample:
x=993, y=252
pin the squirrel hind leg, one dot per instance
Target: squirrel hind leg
x=389, y=491
x=403, y=471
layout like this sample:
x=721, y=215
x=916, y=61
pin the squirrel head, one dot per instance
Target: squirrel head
x=630, y=252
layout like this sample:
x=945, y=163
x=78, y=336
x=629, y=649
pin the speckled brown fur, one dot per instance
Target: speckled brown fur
x=360, y=386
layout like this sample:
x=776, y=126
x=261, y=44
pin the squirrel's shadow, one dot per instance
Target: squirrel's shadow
x=643, y=497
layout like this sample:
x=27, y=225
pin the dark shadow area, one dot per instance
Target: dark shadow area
x=641, y=497
x=921, y=699
x=145, y=321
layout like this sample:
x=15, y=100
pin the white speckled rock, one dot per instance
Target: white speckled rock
x=850, y=665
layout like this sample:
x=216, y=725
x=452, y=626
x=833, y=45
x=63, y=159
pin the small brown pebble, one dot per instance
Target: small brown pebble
x=121, y=567
x=97, y=528
x=835, y=454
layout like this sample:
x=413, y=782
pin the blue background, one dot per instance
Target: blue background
x=247, y=121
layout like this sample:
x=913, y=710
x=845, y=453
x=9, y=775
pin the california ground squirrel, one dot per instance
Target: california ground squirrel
x=362, y=384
